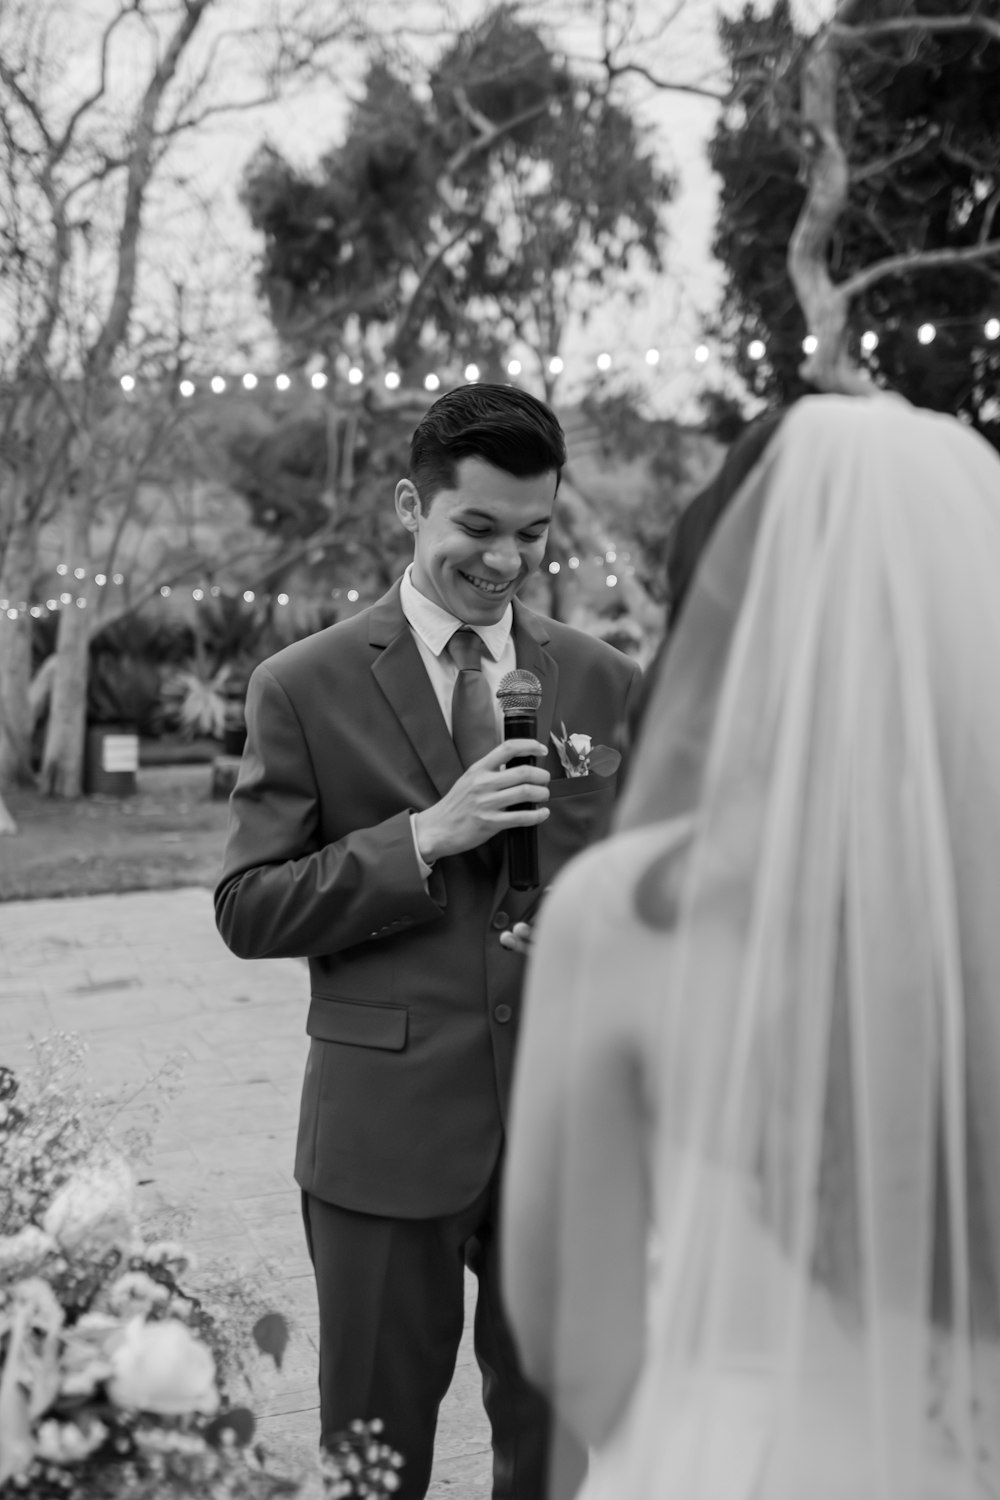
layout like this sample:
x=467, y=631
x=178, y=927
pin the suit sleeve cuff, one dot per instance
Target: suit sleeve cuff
x=424, y=868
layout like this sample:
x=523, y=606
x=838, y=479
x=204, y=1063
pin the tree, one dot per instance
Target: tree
x=89, y=113
x=860, y=189
x=461, y=214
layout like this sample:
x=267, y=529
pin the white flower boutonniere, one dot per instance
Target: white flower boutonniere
x=581, y=757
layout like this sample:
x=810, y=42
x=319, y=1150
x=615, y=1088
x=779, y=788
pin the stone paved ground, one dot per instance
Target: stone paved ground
x=143, y=977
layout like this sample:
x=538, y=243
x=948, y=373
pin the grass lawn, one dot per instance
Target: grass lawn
x=169, y=833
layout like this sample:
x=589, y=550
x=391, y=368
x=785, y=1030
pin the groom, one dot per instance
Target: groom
x=367, y=834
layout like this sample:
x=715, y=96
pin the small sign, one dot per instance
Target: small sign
x=120, y=752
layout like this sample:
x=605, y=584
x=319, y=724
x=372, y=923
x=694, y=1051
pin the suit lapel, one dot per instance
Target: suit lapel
x=530, y=638
x=402, y=677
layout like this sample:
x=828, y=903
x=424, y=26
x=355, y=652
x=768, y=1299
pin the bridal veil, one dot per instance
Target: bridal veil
x=823, y=1318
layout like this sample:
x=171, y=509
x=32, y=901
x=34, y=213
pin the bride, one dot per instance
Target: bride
x=752, y=1227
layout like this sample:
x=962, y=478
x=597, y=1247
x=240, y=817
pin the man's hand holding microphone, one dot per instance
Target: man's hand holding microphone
x=503, y=791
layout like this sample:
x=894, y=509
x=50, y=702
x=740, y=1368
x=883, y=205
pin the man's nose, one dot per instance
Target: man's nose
x=503, y=557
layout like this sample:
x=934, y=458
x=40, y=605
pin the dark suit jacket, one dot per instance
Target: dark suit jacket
x=415, y=1003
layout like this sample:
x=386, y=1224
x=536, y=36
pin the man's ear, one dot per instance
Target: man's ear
x=408, y=504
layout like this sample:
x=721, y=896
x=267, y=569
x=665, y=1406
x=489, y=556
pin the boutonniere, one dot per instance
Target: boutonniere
x=581, y=757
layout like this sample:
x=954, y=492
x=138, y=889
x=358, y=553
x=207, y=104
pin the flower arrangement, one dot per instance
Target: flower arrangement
x=113, y=1374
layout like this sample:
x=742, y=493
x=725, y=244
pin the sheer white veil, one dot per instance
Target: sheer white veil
x=825, y=1156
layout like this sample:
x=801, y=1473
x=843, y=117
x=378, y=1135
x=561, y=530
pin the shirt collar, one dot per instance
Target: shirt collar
x=436, y=626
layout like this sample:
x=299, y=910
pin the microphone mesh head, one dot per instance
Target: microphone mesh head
x=520, y=692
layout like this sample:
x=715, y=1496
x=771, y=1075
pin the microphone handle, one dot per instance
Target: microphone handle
x=522, y=843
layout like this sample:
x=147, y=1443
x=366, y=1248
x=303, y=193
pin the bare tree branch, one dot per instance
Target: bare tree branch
x=854, y=32
x=916, y=260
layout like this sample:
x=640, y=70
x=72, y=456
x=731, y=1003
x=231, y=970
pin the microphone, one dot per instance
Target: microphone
x=520, y=696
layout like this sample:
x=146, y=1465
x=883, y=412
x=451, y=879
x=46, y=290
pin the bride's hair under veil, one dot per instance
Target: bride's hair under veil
x=824, y=1320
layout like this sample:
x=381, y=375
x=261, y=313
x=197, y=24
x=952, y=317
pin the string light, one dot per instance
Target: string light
x=128, y=383
x=282, y=598
x=701, y=354
x=79, y=573
x=282, y=381
x=198, y=595
x=652, y=356
x=472, y=373
x=514, y=367
x=992, y=328
x=218, y=384
x=186, y=388
x=353, y=595
x=604, y=361
x=100, y=579
x=165, y=590
x=249, y=381
x=318, y=381
x=810, y=344
x=554, y=567
x=869, y=341
x=755, y=349
x=556, y=365
x=611, y=580
x=926, y=333
x=392, y=380
x=248, y=596
x=573, y=562
x=431, y=382
x=62, y=569
x=355, y=375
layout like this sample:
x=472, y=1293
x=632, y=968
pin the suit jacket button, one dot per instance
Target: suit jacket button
x=502, y=1013
x=501, y=920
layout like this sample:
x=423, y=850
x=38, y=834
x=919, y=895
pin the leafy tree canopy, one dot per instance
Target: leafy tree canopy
x=485, y=198
x=919, y=117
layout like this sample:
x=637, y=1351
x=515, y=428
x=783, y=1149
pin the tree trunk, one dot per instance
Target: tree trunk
x=7, y=824
x=15, y=658
x=61, y=774
x=826, y=308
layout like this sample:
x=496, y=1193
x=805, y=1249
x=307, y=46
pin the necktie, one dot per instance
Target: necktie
x=473, y=726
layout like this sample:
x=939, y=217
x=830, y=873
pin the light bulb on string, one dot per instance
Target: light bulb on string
x=81, y=603
x=611, y=580
x=573, y=562
x=392, y=379
x=355, y=375
x=100, y=579
x=652, y=356
x=756, y=349
x=165, y=591
x=353, y=596
x=198, y=595
x=554, y=567
x=118, y=578
x=318, y=380
x=62, y=569
x=869, y=341
x=249, y=381
x=127, y=383
x=810, y=344
x=52, y=604
x=218, y=384
x=79, y=573
x=472, y=373
x=282, y=598
x=701, y=354
x=35, y=612
x=604, y=361
x=186, y=388
x=556, y=365
x=927, y=333
x=282, y=381
x=431, y=382
x=514, y=367
x=992, y=328
x=248, y=596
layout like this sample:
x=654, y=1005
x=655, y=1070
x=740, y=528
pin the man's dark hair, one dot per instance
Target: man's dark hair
x=500, y=424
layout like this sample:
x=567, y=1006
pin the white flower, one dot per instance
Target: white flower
x=23, y=1252
x=94, y=1211
x=135, y=1294
x=69, y=1442
x=163, y=1368
x=581, y=744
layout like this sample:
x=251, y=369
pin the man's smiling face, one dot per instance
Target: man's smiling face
x=475, y=544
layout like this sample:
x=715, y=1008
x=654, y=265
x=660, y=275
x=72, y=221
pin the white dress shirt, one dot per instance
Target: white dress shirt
x=432, y=628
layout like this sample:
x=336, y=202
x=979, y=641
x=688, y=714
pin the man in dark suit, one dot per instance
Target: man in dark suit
x=367, y=835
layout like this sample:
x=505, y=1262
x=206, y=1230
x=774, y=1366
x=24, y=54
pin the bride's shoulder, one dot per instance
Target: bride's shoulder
x=603, y=877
